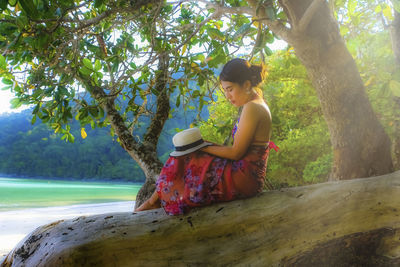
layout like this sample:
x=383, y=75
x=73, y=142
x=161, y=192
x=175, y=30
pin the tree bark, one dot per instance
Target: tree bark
x=150, y=139
x=360, y=144
x=395, y=36
x=342, y=223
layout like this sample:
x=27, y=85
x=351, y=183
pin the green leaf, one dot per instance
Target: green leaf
x=267, y=51
x=269, y=37
x=94, y=111
x=351, y=6
x=98, y=3
x=29, y=7
x=387, y=12
x=3, y=4
x=7, y=81
x=42, y=40
x=33, y=119
x=85, y=71
x=97, y=65
x=378, y=9
x=15, y=103
x=200, y=57
x=83, y=114
x=344, y=30
x=215, y=34
x=395, y=87
x=242, y=30
x=87, y=63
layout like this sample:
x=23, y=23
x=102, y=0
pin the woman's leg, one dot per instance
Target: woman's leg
x=152, y=203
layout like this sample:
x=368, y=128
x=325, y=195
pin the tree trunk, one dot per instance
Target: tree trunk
x=150, y=139
x=361, y=146
x=345, y=223
x=145, y=154
x=395, y=36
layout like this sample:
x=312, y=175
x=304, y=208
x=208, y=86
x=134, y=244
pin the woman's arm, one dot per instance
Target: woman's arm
x=243, y=137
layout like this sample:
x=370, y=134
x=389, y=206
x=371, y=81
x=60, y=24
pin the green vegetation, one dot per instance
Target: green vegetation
x=36, y=151
x=298, y=127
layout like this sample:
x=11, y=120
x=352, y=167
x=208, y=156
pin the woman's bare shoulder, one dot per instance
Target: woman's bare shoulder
x=258, y=108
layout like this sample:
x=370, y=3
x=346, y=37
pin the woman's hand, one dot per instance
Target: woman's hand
x=204, y=149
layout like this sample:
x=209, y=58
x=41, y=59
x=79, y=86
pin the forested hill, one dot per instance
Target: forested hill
x=35, y=151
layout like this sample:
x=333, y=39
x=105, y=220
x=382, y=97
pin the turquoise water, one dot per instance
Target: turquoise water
x=34, y=193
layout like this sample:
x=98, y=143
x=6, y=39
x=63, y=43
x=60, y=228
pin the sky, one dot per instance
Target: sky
x=5, y=98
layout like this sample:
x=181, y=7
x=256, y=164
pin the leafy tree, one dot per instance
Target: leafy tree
x=114, y=62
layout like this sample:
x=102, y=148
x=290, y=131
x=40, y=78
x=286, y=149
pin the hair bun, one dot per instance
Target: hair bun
x=257, y=74
x=239, y=70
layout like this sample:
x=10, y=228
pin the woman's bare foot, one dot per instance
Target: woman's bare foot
x=152, y=203
x=148, y=206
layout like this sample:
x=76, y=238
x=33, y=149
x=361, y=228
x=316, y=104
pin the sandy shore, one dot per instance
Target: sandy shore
x=15, y=225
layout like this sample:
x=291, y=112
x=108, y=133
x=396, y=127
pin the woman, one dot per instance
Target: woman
x=222, y=173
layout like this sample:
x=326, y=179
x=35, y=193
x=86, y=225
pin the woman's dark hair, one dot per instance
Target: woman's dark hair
x=239, y=70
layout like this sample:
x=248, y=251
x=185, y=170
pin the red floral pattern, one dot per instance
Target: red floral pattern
x=199, y=179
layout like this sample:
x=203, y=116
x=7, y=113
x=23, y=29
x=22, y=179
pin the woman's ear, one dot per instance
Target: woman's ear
x=247, y=85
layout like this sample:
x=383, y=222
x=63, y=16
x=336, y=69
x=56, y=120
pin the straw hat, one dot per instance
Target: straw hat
x=187, y=141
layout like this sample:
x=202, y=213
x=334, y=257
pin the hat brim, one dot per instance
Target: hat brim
x=188, y=151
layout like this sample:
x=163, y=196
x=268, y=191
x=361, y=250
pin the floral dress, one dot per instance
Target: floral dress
x=199, y=179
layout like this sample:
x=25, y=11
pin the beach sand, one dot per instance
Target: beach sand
x=15, y=225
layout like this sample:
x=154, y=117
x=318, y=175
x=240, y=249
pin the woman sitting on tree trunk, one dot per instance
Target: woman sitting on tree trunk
x=200, y=173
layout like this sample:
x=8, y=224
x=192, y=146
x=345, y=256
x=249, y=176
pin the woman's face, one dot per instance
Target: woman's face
x=236, y=93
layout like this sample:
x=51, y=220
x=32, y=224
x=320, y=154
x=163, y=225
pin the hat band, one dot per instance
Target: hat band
x=189, y=146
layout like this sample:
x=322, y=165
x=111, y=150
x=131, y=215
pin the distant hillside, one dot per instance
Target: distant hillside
x=35, y=151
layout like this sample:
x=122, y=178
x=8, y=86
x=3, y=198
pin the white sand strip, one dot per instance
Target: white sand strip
x=15, y=225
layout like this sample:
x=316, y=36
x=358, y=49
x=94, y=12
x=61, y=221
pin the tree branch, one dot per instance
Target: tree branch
x=289, y=12
x=157, y=123
x=117, y=122
x=276, y=26
x=243, y=10
x=11, y=44
x=107, y=13
x=307, y=16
